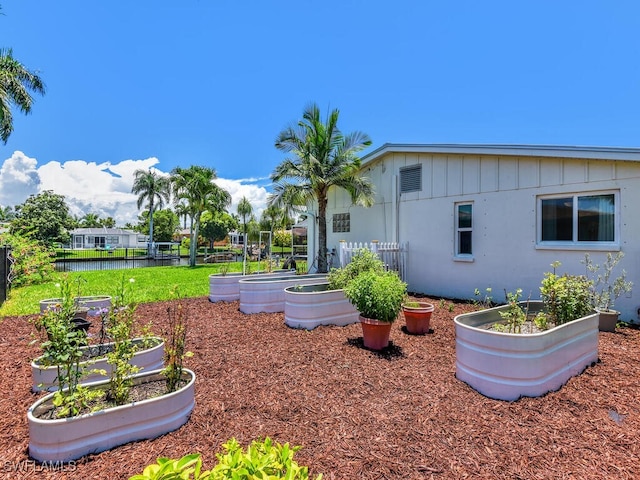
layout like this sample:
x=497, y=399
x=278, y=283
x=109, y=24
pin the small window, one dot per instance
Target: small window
x=341, y=222
x=411, y=178
x=578, y=219
x=464, y=229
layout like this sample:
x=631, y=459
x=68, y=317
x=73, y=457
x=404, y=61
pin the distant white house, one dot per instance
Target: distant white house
x=478, y=216
x=107, y=238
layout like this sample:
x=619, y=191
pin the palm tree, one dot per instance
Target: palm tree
x=195, y=186
x=272, y=217
x=244, y=209
x=181, y=209
x=323, y=158
x=15, y=84
x=90, y=220
x=153, y=188
x=6, y=213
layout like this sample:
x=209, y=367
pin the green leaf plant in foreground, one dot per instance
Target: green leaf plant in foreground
x=262, y=459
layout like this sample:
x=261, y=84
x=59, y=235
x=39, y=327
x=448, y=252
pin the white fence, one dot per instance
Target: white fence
x=392, y=254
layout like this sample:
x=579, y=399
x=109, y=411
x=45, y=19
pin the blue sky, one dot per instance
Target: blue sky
x=212, y=82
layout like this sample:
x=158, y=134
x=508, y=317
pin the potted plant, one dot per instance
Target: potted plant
x=606, y=290
x=82, y=418
x=417, y=316
x=500, y=358
x=378, y=297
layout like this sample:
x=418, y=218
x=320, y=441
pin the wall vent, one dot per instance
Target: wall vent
x=411, y=178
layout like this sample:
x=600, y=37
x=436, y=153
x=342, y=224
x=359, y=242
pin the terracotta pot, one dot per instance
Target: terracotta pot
x=375, y=334
x=418, y=318
x=608, y=320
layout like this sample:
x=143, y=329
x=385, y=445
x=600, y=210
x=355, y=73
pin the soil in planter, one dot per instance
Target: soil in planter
x=96, y=351
x=150, y=388
x=527, y=328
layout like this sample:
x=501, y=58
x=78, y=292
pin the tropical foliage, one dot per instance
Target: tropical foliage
x=322, y=158
x=31, y=260
x=165, y=223
x=194, y=186
x=244, y=211
x=43, y=217
x=216, y=226
x=154, y=189
x=16, y=85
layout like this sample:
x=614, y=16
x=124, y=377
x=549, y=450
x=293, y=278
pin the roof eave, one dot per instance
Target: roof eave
x=553, y=151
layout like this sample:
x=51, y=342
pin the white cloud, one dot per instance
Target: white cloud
x=256, y=195
x=19, y=178
x=103, y=189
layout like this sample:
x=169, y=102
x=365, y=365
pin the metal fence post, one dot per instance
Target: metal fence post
x=4, y=273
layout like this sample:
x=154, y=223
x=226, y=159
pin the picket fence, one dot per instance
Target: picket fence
x=392, y=254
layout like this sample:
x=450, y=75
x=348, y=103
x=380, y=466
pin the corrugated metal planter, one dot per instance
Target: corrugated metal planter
x=152, y=358
x=225, y=288
x=267, y=294
x=309, y=306
x=67, y=439
x=507, y=366
x=94, y=303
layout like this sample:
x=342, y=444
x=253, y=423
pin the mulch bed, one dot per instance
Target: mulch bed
x=357, y=414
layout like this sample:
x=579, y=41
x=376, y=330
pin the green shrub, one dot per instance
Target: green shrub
x=364, y=260
x=33, y=262
x=266, y=459
x=377, y=295
x=566, y=297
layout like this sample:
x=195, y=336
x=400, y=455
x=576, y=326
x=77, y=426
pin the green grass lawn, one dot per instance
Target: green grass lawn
x=151, y=284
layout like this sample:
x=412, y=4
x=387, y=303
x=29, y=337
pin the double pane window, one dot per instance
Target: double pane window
x=578, y=219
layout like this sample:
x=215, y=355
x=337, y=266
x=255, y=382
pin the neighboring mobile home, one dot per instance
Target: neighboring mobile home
x=479, y=216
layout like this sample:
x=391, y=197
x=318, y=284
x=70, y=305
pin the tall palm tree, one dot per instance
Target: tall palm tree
x=16, y=83
x=195, y=186
x=245, y=210
x=153, y=188
x=323, y=158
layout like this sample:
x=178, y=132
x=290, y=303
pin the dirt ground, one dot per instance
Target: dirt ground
x=357, y=414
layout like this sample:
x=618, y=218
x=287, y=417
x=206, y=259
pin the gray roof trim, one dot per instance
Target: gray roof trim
x=554, y=151
x=101, y=231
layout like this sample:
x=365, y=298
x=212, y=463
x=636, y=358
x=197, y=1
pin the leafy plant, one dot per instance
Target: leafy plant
x=514, y=315
x=32, y=262
x=61, y=348
x=411, y=304
x=606, y=291
x=566, y=297
x=541, y=320
x=120, y=329
x=483, y=301
x=377, y=295
x=262, y=459
x=175, y=343
x=363, y=260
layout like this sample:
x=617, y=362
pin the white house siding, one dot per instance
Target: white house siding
x=504, y=191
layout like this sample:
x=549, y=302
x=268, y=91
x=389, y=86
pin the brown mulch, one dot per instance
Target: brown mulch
x=358, y=414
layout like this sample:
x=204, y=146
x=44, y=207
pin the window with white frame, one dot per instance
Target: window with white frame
x=464, y=229
x=578, y=219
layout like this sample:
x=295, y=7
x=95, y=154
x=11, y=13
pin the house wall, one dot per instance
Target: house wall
x=504, y=193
